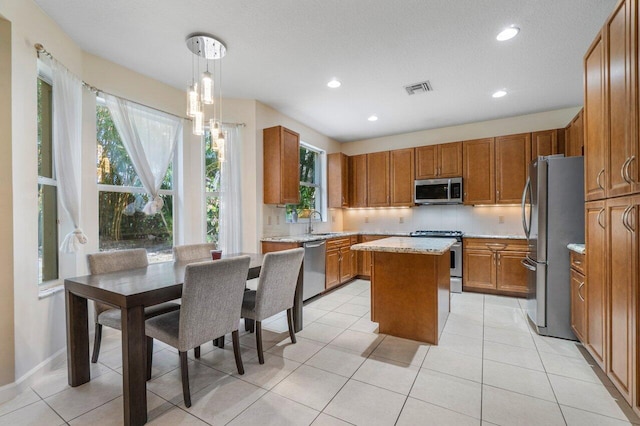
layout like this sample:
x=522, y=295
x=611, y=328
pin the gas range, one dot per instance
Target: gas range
x=438, y=234
x=455, y=252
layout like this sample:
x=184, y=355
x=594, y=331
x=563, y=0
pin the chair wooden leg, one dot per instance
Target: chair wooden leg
x=97, y=339
x=149, y=356
x=196, y=351
x=249, y=325
x=221, y=342
x=236, y=351
x=292, y=333
x=259, y=341
x=184, y=369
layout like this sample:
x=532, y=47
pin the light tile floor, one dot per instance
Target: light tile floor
x=489, y=368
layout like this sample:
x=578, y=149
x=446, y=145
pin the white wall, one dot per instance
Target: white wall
x=505, y=126
x=39, y=324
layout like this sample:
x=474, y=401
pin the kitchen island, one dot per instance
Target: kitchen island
x=410, y=286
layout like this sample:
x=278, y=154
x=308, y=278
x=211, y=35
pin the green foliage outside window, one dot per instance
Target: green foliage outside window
x=212, y=189
x=309, y=186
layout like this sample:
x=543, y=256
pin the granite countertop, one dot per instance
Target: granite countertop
x=502, y=237
x=578, y=248
x=303, y=238
x=435, y=246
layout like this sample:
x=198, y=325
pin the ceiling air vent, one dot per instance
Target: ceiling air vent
x=422, y=87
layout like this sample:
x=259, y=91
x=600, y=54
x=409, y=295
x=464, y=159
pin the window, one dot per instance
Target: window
x=311, y=185
x=212, y=190
x=121, y=198
x=47, y=188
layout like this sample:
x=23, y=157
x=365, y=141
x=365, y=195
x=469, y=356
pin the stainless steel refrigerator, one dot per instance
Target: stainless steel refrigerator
x=552, y=217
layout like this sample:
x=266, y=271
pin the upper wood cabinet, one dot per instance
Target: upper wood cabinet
x=435, y=161
x=338, y=180
x=479, y=171
x=281, y=166
x=513, y=154
x=402, y=177
x=546, y=142
x=378, y=179
x=358, y=180
x=574, y=137
x=621, y=146
x=594, y=115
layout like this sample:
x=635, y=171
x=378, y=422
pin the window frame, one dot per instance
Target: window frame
x=44, y=74
x=321, y=186
x=173, y=192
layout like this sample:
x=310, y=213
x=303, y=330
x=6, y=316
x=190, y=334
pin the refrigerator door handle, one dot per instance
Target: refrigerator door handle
x=526, y=264
x=525, y=226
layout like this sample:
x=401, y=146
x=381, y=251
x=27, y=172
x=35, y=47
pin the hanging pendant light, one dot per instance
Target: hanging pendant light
x=205, y=46
x=207, y=87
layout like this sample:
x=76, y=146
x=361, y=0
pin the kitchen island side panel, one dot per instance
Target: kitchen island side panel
x=410, y=294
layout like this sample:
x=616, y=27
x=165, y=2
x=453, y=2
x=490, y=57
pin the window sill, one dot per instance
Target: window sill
x=43, y=293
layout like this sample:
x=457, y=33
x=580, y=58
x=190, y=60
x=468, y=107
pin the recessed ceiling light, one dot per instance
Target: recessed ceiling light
x=334, y=84
x=508, y=33
x=373, y=118
x=499, y=94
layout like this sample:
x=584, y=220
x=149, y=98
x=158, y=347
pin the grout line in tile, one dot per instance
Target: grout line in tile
x=82, y=414
x=24, y=406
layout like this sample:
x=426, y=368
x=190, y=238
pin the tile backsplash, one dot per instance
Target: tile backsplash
x=497, y=220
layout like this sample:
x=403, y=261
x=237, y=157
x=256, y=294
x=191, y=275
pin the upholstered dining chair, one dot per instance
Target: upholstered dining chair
x=275, y=292
x=189, y=252
x=193, y=251
x=105, y=315
x=211, y=302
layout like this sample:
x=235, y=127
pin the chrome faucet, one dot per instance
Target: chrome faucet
x=310, y=227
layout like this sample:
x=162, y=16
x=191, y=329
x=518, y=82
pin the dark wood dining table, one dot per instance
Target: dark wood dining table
x=131, y=291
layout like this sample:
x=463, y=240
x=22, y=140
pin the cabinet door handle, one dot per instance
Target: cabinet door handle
x=625, y=218
x=627, y=168
x=598, y=218
x=494, y=259
x=623, y=170
x=598, y=179
x=580, y=288
x=498, y=259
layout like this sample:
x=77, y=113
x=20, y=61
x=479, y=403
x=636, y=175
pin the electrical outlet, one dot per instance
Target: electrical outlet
x=269, y=220
x=366, y=219
x=500, y=219
x=333, y=219
x=277, y=220
x=401, y=219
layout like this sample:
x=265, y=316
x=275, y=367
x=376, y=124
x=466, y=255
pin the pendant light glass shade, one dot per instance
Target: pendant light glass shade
x=193, y=100
x=207, y=88
x=198, y=123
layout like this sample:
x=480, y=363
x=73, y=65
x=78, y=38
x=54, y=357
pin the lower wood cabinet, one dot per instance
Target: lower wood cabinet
x=578, y=296
x=493, y=266
x=609, y=292
x=341, y=262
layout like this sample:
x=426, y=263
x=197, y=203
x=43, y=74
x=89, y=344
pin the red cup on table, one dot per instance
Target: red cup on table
x=216, y=254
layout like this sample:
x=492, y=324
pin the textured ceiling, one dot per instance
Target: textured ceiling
x=283, y=52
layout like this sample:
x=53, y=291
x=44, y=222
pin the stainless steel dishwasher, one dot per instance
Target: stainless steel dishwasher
x=314, y=264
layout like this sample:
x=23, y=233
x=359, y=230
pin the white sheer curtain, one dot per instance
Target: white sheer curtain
x=149, y=136
x=230, y=240
x=67, y=142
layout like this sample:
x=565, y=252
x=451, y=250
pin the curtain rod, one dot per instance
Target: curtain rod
x=42, y=51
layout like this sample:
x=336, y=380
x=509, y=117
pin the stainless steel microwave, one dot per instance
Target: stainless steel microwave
x=438, y=191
